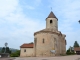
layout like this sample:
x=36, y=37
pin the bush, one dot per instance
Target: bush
x=15, y=54
x=70, y=53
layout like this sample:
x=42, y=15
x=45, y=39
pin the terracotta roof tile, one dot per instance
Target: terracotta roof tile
x=76, y=48
x=25, y=45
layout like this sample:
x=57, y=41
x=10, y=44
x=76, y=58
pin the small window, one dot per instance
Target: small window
x=54, y=39
x=43, y=40
x=50, y=21
x=24, y=50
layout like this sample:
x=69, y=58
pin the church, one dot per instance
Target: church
x=47, y=42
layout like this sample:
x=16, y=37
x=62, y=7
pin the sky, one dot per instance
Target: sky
x=19, y=19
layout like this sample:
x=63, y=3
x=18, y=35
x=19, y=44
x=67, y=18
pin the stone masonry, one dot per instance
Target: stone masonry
x=49, y=39
x=47, y=42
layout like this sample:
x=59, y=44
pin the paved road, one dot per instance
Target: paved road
x=6, y=58
x=72, y=57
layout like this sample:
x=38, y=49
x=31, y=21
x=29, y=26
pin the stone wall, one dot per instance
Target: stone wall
x=62, y=44
x=53, y=25
x=43, y=49
x=51, y=42
x=29, y=52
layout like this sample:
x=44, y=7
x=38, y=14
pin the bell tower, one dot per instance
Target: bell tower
x=52, y=22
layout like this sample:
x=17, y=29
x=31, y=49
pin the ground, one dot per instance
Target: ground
x=71, y=57
x=6, y=58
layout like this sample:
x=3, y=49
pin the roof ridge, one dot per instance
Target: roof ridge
x=26, y=46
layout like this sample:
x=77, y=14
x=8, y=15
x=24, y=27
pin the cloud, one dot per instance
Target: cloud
x=15, y=27
x=31, y=4
x=37, y=2
x=30, y=7
x=68, y=12
x=7, y=6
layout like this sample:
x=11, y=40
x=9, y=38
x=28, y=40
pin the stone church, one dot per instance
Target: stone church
x=47, y=42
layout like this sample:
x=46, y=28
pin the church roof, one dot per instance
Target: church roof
x=51, y=15
x=48, y=31
x=25, y=45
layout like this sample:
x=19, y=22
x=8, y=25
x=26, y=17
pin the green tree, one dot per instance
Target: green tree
x=15, y=54
x=8, y=50
x=31, y=43
x=76, y=44
x=70, y=51
x=3, y=50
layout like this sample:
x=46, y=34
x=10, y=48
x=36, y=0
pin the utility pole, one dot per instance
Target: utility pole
x=5, y=46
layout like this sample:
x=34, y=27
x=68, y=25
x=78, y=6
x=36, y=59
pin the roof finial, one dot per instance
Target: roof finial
x=51, y=8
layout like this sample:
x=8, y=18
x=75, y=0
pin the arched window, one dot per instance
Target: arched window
x=43, y=40
x=24, y=50
x=50, y=21
x=55, y=41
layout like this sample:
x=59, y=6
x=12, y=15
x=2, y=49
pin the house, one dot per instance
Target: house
x=26, y=50
x=77, y=50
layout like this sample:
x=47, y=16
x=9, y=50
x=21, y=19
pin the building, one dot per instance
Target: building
x=77, y=50
x=47, y=42
x=26, y=50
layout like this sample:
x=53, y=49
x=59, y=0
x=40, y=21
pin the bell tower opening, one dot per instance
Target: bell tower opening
x=51, y=21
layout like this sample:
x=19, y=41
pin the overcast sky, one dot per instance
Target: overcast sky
x=19, y=19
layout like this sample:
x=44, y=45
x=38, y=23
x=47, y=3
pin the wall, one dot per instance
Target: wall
x=62, y=45
x=29, y=52
x=53, y=25
x=43, y=49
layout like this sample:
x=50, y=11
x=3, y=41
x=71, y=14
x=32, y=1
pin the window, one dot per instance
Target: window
x=55, y=41
x=43, y=40
x=24, y=50
x=50, y=21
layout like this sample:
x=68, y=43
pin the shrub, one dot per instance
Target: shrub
x=15, y=54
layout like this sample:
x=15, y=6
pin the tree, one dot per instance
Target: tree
x=31, y=43
x=70, y=51
x=15, y=54
x=79, y=21
x=7, y=50
x=3, y=50
x=76, y=44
